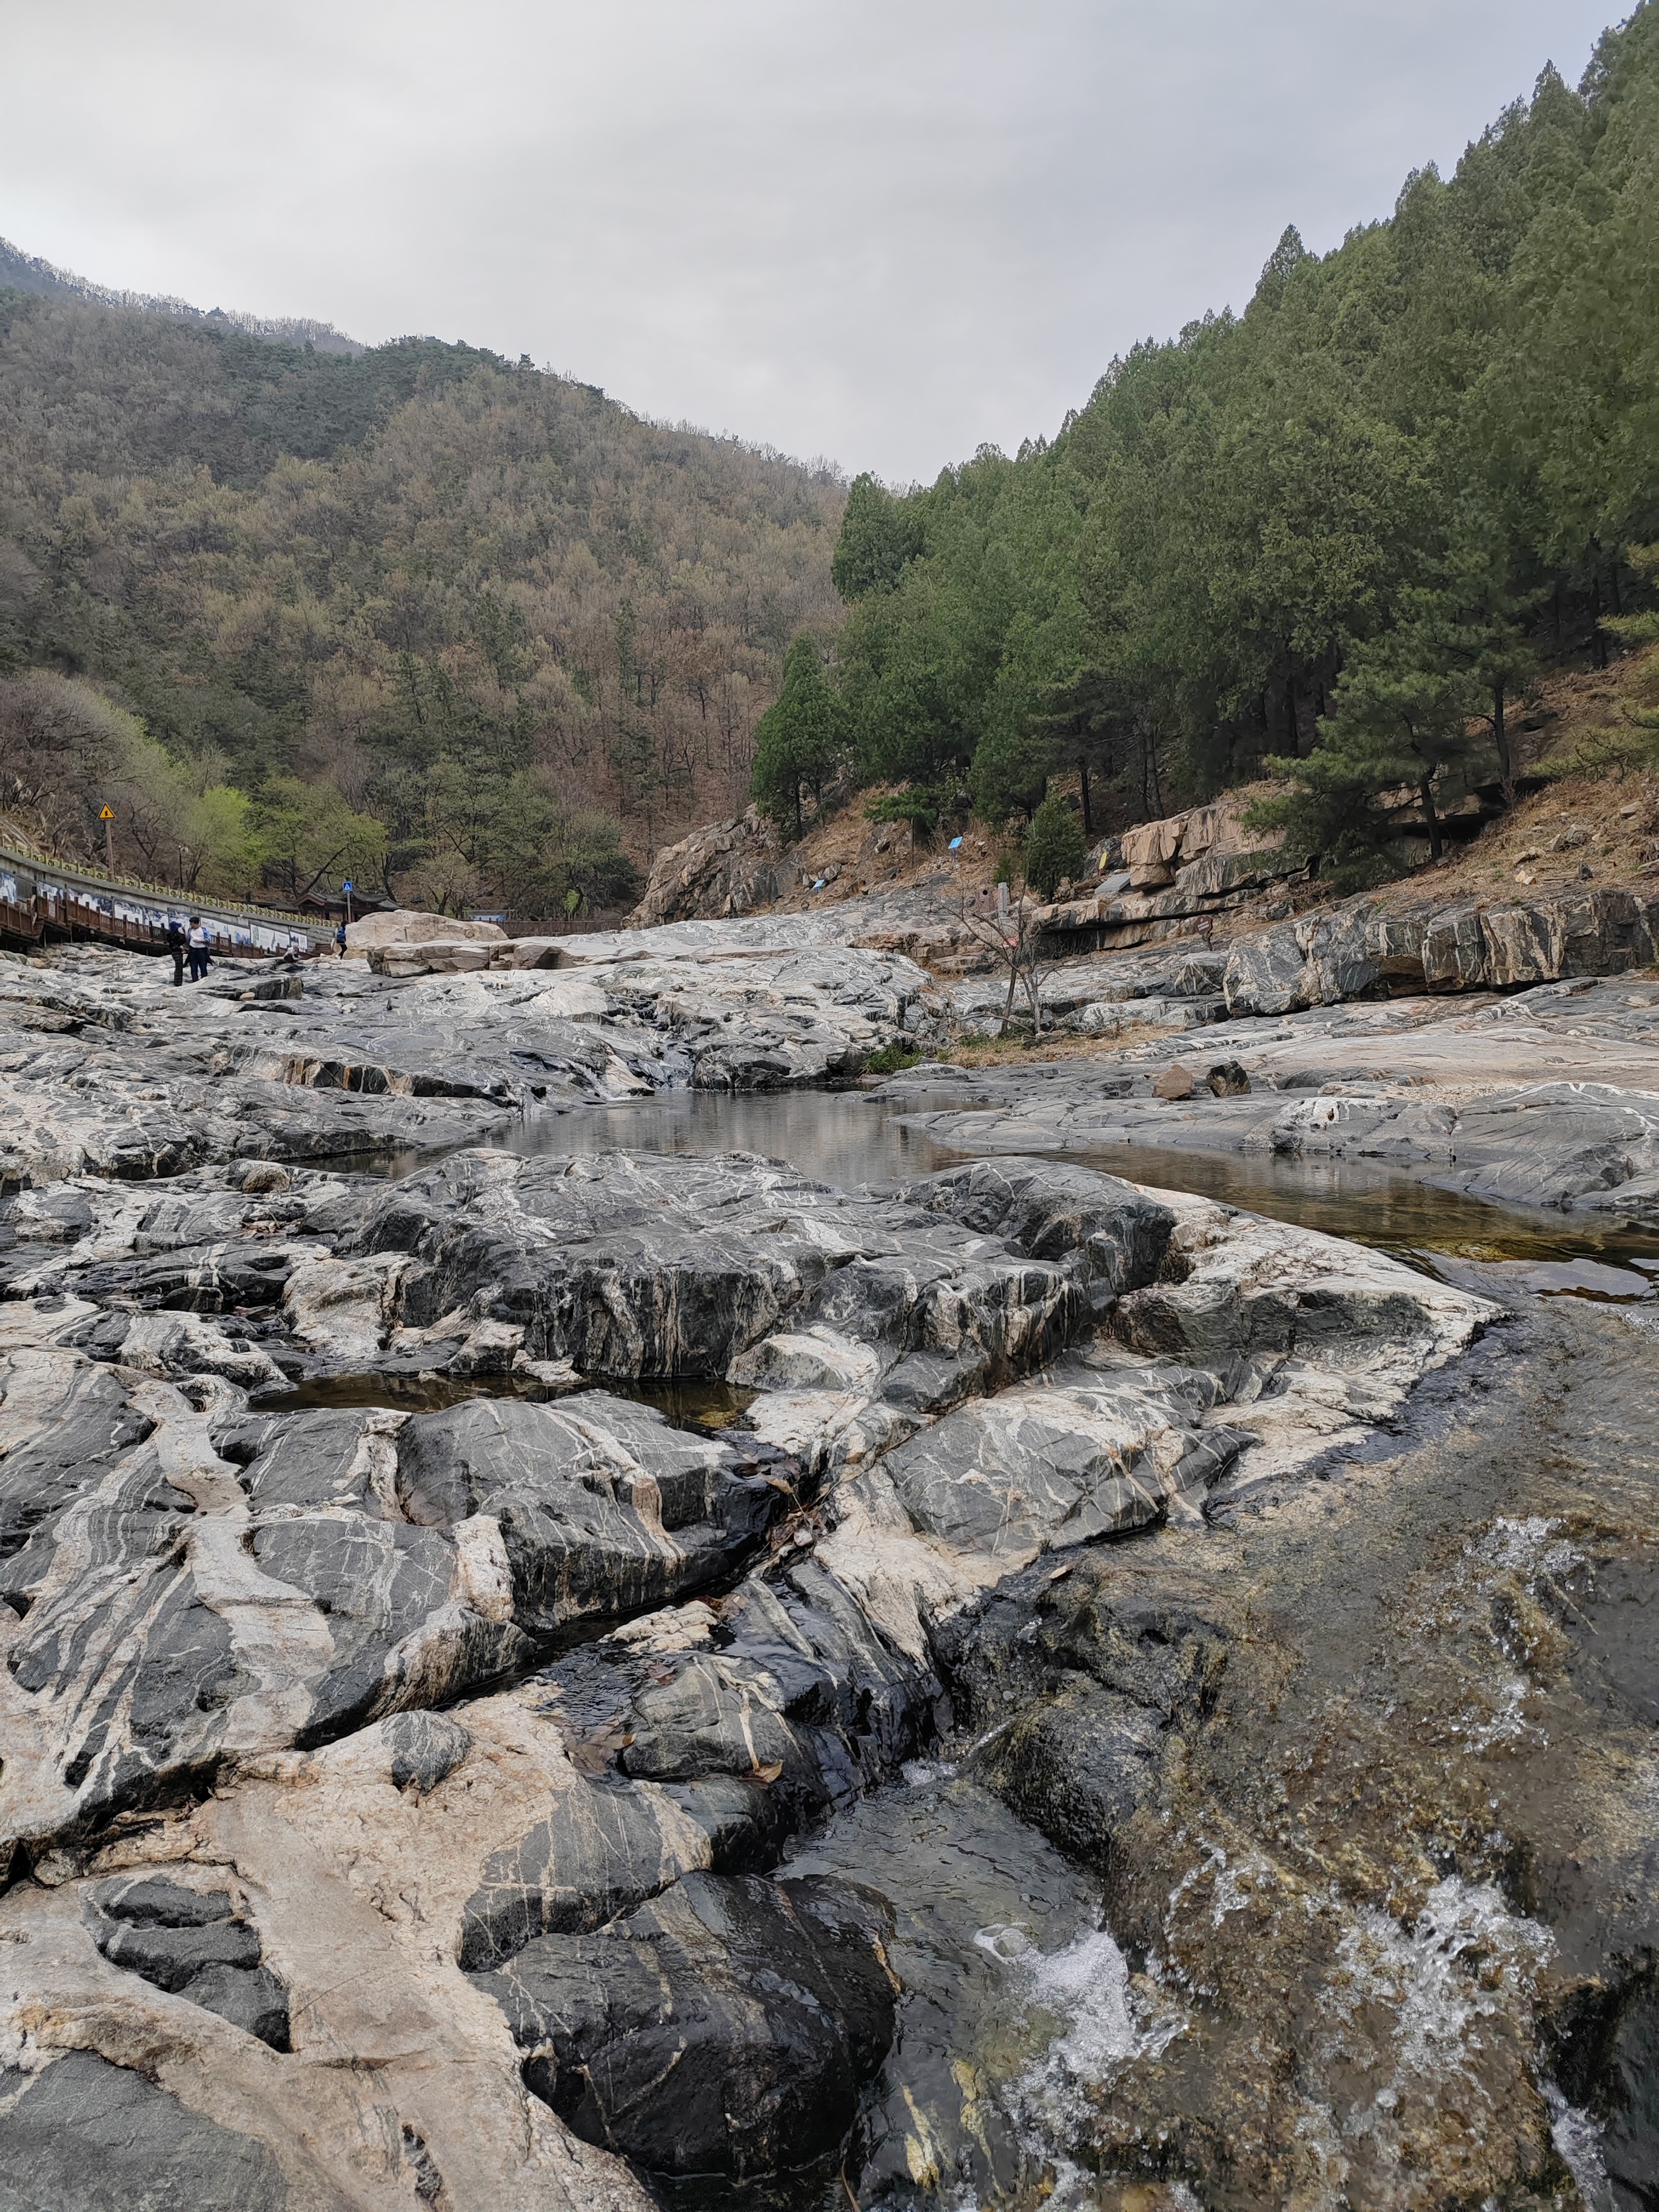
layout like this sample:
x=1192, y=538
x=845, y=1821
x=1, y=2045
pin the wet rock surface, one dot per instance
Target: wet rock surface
x=1463, y=1095
x=1113, y=1701
x=767, y=2005
x=106, y=1070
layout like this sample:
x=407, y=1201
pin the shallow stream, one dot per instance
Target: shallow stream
x=1017, y=2006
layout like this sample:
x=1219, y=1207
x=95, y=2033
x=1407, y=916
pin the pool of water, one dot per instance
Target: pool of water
x=848, y=1139
x=842, y=1137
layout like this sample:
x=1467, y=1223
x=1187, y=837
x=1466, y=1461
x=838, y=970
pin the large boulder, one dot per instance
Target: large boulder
x=406, y=925
x=767, y=2005
x=729, y=868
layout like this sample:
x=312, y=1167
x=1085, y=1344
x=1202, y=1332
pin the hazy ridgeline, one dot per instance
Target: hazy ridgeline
x=478, y=635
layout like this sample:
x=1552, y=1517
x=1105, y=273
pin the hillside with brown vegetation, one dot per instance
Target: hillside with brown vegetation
x=473, y=632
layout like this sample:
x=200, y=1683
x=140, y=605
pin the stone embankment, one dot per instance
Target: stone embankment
x=1364, y=948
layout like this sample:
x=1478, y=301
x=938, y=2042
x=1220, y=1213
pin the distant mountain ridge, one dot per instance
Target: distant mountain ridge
x=410, y=613
x=28, y=272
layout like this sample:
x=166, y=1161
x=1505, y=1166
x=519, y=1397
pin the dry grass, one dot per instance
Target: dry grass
x=975, y=1051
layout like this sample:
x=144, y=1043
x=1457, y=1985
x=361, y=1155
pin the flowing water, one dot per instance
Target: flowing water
x=1019, y=2012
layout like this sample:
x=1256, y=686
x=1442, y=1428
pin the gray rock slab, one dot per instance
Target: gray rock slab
x=82, y=2136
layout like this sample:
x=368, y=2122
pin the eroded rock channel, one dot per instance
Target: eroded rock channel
x=1115, y=1700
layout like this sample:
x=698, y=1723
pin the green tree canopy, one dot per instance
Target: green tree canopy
x=800, y=740
x=1339, y=532
x=1053, y=847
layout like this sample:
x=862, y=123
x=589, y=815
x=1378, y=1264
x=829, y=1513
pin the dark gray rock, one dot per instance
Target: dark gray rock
x=768, y=2005
x=80, y=1437
x=1105, y=1676
x=601, y=1853
x=426, y=1748
x=153, y=1901
x=132, y=1659
x=313, y=1458
x=1111, y=1235
x=603, y=1507
x=191, y=1943
x=81, y=2136
x=1082, y=1454
x=792, y=1704
x=628, y=1264
x=171, y=1957
x=801, y=1692
x=378, y=1585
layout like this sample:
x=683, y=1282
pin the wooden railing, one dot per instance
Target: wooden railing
x=43, y=903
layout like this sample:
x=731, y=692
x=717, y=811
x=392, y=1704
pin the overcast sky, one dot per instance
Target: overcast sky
x=884, y=230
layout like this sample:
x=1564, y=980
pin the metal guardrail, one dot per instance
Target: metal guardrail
x=43, y=903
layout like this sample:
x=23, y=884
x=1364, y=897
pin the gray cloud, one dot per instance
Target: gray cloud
x=886, y=230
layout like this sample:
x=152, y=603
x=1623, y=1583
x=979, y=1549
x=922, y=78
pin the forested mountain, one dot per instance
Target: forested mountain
x=473, y=633
x=28, y=272
x=1343, y=529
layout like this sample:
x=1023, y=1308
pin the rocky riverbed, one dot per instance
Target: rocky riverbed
x=607, y=1678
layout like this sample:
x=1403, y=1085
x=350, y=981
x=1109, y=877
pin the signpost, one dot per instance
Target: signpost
x=346, y=888
x=106, y=816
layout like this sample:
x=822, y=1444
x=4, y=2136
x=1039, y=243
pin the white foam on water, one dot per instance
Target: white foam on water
x=1506, y=1723
x=922, y=1773
x=1089, y=1983
x=1086, y=1985
x=1463, y=1960
x=1577, y=2140
x=1529, y=1547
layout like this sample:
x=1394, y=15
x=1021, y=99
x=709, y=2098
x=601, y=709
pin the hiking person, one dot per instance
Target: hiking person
x=198, y=949
x=339, y=941
x=176, y=947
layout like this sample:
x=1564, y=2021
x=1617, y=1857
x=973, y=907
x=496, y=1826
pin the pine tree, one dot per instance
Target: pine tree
x=799, y=740
x=879, y=535
x=1399, y=723
x=1055, y=850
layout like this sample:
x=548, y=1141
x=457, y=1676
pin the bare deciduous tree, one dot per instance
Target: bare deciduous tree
x=1010, y=936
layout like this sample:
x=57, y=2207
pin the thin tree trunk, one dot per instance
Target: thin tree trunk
x=1425, y=791
x=1088, y=818
x=1035, y=998
x=1501, y=738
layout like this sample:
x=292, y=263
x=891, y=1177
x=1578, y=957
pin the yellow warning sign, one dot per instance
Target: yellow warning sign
x=106, y=814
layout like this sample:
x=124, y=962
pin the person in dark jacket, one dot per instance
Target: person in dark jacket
x=176, y=947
